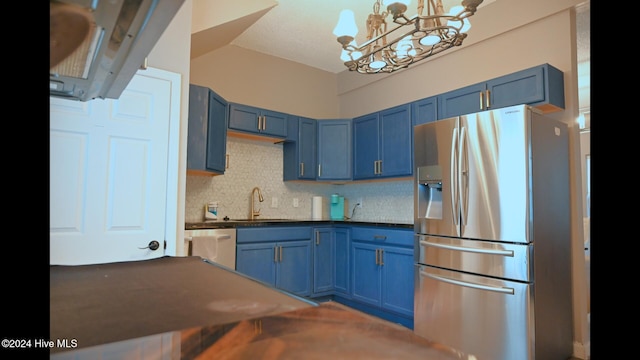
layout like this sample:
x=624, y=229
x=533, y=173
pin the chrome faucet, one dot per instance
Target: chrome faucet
x=255, y=213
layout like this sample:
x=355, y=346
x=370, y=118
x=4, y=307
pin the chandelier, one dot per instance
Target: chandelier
x=414, y=38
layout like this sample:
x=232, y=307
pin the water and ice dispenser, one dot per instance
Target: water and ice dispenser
x=429, y=193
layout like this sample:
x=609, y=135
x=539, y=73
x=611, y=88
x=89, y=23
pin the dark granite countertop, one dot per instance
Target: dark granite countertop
x=220, y=224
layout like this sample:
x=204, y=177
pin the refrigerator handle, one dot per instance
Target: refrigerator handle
x=455, y=209
x=473, y=250
x=463, y=174
x=503, y=290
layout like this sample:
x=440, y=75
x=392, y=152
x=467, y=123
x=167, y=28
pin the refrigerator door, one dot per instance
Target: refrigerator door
x=436, y=205
x=494, y=175
x=485, y=317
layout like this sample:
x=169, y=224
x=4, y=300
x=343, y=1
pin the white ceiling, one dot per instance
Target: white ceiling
x=302, y=31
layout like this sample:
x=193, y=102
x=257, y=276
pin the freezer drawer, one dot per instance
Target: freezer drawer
x=491, y=258
x=485, y=317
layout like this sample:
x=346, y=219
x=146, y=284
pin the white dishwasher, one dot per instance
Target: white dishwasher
x=217, y=245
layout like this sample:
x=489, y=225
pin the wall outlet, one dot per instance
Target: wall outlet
x=274, y=202
x=359, y=203
x=295, y=202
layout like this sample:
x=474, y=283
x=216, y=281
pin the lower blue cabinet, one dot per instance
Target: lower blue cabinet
x=382, y=269
x=331, y=261
x=280, y=257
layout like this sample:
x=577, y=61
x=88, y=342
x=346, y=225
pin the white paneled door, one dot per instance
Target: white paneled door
x=108, y=174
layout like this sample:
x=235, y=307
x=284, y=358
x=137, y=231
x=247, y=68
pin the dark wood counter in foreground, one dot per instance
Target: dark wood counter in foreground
x=327, y=331
x=187, y=308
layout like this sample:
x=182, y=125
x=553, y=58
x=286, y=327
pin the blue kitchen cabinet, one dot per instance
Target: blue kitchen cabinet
x=299, y=151
x=207, y=131
x=334, y=150
x=342, y=245
x=278, y=256
x=424, y=110
x=331, y=261
x=540, y=86
x=382, y=270
x=251, y=120
x=323, y=261
x=382, y=144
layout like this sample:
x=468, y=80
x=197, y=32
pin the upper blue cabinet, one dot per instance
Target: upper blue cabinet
x=299, y=151
x=540, y=86
x=251, y=120
x=424, y=110
x=382, y=144
x=334, y=150
x=207, y=131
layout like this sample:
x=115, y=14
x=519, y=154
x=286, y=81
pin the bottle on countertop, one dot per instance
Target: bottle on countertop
x=211, y=211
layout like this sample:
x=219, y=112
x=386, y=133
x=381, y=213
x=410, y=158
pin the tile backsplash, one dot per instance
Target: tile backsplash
x=257, y=163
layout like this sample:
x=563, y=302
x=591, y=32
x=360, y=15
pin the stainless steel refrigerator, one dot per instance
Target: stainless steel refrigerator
x=492, y=245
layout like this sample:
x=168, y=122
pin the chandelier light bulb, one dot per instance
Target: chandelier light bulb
x=430, y=39
x=386, y=3
x=346, y=24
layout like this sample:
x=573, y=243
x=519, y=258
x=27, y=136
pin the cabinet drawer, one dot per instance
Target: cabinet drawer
x=269, y=233
x=383, y=236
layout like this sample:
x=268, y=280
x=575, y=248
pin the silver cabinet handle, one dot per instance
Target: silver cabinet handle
x=319, y=170
x=301, y=169
x=275, y=254
x=280, y=253
x=381, y=257
x=317, y=238
x=488, y=92
x=379, y=237
x=377, y=262
x=481, y=100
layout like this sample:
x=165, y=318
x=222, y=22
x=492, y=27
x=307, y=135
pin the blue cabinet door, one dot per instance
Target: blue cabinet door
x=540, y=86
x=466, y=100
x=342, y=244
x=323, y=261
x=396, y=152
x=397, y=280
x=207, y=131
x=424, y=110
x=307, y=148
x=366, y=134
x=257, y=261
x=334, y=149
x=244, y=118
x=294, y=269
x=299, y=151
x=217, y=134
x=365, y=273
